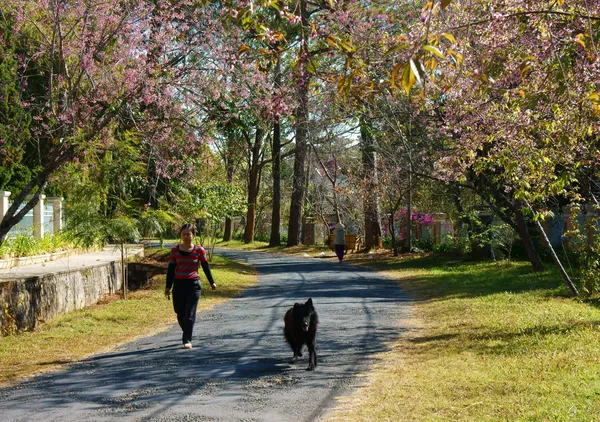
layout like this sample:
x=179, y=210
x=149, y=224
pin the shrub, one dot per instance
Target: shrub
x=455, y=244
x=85, y=227
x=24, y=244
x=583, y=246
x=425, y=244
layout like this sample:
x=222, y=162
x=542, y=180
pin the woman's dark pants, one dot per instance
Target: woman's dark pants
x=185, y=302
x=339, y=251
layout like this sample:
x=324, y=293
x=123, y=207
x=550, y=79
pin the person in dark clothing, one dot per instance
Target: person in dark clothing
x=183, y=277
x=340, y=240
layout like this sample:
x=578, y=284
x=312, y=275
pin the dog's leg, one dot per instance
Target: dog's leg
x=312, y=355
x=296, y=354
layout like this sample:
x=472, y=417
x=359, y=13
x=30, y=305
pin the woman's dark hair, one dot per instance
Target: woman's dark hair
x=187, y=227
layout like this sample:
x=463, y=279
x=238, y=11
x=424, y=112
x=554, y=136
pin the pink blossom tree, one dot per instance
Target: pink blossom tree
x=84, y=67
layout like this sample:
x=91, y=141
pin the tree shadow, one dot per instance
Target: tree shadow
x=442, y=276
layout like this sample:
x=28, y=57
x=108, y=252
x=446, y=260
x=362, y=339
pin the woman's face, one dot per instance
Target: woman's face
x=187, y=236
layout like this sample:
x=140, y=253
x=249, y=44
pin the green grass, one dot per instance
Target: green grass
x=488, y=342
x=104, y=326
x=301, y=250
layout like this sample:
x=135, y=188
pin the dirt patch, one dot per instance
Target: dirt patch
x=160, y=258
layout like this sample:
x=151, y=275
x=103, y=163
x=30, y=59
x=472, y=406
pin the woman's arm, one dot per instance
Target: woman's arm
x=170, y=273
x=208, y=274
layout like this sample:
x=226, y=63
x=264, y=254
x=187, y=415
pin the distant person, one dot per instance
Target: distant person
x=339, y=240
x=183, y=276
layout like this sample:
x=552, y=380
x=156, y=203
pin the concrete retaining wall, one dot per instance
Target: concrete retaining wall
x=26, y=302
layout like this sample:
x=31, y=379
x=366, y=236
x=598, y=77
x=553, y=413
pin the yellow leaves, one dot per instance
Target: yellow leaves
x=243, y=49
x=579, y=39
x=347, y=46
x=526, y=65
x=433, y=50
x=449, y=37
x=332, y=41
x=344, y=85
x=396, y=48
x=595, y=97
x=408, y=77
x=456, y=57
x=395, y=74
x=337, y=43
x=414, y=70
x=434, y=7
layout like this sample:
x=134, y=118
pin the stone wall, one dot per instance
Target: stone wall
x=26, y=302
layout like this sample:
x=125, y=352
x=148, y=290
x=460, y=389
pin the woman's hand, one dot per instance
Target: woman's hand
x=213, y=286
x=168, y=294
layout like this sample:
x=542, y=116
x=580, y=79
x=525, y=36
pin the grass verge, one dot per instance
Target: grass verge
x=313, y=251
x=494, y=343
x=112, y=322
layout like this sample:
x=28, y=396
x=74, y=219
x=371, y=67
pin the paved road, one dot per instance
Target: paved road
x=238, y=369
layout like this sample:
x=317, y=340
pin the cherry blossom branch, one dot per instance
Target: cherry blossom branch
x=532, y=12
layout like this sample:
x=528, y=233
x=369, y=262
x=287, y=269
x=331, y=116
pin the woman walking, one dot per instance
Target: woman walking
x=183, y=277
x=339, y=240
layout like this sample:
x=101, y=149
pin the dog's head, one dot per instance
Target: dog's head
x=306, y=315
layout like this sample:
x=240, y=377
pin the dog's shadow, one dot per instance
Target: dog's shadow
x=256, y=366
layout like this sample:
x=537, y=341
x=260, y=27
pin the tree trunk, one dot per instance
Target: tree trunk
x=532, y=254
x=275, y=239
x=408, y=243
x=393, y=235
x=306, y=198
x=228, y=233
x=253, y=186
x=301, y=133
x=371, y=202
x=463, y=219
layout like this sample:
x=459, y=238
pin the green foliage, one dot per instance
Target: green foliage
x=122, y=229
x=457, y=245
x=155, y=223
x=84, y=225
x=24, y=244
x=503, y=240
x=212, y=202
x=583, y=248
x=215, y=201
x=55, y=242
x=425, y=243
x=14, y=121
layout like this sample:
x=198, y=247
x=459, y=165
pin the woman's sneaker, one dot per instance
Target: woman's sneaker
x=187, y=345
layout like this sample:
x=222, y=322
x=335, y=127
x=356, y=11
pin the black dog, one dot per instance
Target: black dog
x=300, y=327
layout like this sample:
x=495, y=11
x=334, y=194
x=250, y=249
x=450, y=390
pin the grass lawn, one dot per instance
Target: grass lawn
x=493, y=342
x=300, y=250
x=488, y=341
x=104, y=326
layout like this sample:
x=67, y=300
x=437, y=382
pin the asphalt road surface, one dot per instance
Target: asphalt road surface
x=239, y=367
